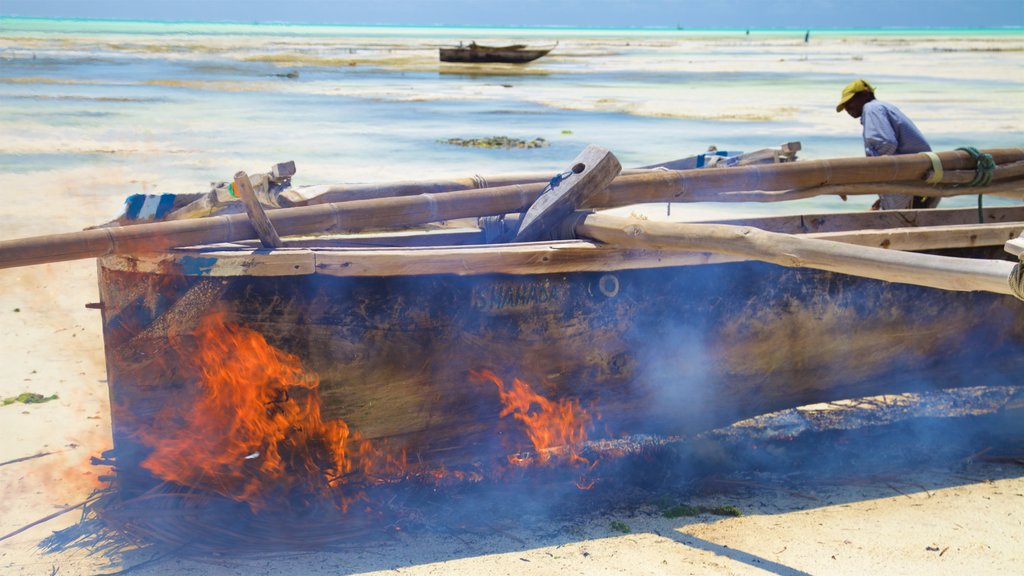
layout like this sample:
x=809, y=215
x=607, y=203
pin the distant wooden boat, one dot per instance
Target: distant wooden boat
x=478, y=53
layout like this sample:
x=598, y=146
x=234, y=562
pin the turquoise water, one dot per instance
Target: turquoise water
x=173, y=106
x=14, y=24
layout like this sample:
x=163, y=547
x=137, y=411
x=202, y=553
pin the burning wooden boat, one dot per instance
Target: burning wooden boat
x=474, y=53
x=444, y=352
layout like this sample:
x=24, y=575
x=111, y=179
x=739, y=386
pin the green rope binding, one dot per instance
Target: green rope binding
x=984, y=168
x=985, y=165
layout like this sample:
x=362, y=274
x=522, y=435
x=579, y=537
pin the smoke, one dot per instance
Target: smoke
x=643, y=361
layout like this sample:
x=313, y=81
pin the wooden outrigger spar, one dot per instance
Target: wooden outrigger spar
x=654, y=186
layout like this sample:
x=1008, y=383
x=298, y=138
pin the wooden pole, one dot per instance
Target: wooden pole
x=943, y=272
x=708, y=185
x=331, y=193
x=654, y=186
x=806, y=174
x=257, y=217
x=1005, y=189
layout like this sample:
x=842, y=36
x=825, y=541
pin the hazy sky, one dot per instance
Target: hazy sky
x=596, y=13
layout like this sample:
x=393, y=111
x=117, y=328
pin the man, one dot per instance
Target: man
x=886, y=131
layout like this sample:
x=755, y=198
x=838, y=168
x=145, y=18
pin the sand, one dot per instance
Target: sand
x=965, y=518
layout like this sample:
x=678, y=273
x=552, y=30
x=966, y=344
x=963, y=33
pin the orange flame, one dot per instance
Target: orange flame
x=551, y=425
x=254, y=432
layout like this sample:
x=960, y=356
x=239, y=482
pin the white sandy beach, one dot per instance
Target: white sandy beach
x=956, y=520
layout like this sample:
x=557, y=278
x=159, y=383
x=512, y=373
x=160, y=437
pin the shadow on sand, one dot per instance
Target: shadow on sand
x=827, y=459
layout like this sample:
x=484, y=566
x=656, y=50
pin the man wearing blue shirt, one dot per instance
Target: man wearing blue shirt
x=886, y=131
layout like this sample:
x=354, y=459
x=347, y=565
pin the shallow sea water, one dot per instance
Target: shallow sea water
x=171, y=107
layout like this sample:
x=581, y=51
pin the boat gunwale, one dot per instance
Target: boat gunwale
x=561, y=256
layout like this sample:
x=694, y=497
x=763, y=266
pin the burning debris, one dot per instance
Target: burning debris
x=562, y=424
x=252, y=430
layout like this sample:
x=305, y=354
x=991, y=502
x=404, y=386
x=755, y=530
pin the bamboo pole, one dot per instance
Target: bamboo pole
x=1005, y=189
x=1003, y=172
x=794, y=175
x=343, y=216
x=708, y=185
x=653, y=186
x=331, y=193
x=943, y=272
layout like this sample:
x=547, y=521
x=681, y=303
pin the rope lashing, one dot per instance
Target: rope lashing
x=984, y=167
x=936, y=175
x=1017, y=279
x=557, y=179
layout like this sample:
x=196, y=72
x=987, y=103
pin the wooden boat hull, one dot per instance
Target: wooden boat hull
x=665, y=350
x=483, y=54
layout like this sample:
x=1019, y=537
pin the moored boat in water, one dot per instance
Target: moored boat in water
x=478, y=53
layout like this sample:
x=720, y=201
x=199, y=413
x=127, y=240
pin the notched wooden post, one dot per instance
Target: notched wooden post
x=258, y=218
x=592, y=171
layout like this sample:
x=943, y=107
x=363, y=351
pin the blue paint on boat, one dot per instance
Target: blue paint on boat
x=196, y=265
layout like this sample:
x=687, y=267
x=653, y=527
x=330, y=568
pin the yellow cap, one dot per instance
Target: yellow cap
x=851, y=89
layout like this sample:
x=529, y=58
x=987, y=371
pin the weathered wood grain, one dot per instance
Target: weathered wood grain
x=257, y=217
x=945, y=272
x=591, y=172
x=663, y=351
x=551, y=257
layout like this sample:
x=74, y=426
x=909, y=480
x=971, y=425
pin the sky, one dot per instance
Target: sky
x=571, y=13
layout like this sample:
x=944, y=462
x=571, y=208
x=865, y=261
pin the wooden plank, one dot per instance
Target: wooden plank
x=520, y=258
x=554, y=257
x=885, y=219
x=1015, y=247
x=216, y=263
x=795, y=224
x=591, y=172
x=931, y=238
x=1009, y=189
x=264, y=228
x=946, y=273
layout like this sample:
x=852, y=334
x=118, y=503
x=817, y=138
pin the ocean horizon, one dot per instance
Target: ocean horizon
x=115, y=25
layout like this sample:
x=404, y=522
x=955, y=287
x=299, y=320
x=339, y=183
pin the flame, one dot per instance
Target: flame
x=556, y=429
x=253, y=432
x=248, y=427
